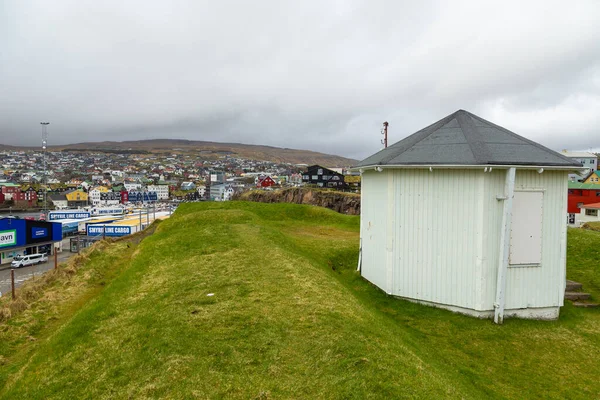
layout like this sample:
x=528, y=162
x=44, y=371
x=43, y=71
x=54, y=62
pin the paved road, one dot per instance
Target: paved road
x=31, y=271
x=20, y=214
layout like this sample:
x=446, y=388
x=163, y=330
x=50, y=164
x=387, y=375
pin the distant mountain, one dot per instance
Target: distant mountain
x=206, y=149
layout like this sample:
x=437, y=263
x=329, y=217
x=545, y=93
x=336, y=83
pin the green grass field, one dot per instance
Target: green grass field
x=251, y=300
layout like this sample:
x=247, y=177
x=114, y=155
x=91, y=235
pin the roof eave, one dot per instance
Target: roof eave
x=468, y=166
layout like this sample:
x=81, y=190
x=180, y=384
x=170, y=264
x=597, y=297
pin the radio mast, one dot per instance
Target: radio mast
x=384, y=133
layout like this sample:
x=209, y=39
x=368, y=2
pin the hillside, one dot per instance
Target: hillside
x=251, y=300
x=208, y=149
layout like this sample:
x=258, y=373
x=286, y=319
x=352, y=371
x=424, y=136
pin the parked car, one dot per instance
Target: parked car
x=30, y=259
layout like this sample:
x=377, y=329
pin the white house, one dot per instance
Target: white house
x=588, y=160
x=162, y=191
x=468, y=216
x=94, y=195
x=201, y=189
x=588, y=213
x=221, y=192
x=59, y=200
x=129, y=186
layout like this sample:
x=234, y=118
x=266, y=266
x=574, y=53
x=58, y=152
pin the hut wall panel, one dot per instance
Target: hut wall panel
x=373, y=226
x=438, y=249
x=533, y=286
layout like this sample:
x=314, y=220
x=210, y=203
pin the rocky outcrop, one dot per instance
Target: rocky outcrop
x=344, y=203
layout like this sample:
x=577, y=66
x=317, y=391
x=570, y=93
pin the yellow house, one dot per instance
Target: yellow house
x=593, y=178
x=101, y=189
x=76, y=198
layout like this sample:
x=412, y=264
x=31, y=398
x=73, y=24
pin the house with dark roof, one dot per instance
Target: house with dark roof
x=468, y=216
x=59, y=200
x=322, y=177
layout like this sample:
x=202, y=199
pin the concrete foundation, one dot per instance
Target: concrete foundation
x=543, y=313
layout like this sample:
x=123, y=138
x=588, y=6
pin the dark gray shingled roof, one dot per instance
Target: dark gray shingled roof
x=463, y=138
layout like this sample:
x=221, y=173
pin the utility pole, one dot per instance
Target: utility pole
x=12, y=282
x=45, y=178
x=384, y=133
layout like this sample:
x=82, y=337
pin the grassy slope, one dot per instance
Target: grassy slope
x=290, y=318
x=583, y=249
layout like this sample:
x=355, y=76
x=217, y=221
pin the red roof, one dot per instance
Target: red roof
x=593, y=205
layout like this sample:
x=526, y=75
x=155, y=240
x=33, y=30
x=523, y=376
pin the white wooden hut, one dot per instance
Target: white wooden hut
x=467, y=216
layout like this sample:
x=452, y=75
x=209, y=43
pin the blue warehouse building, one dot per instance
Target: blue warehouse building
x=21, y=236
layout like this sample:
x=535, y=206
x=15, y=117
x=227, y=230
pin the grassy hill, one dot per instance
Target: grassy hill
x=207, y=150
x=251, y=300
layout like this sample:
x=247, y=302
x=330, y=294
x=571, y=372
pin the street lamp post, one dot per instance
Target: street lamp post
x=45, y=178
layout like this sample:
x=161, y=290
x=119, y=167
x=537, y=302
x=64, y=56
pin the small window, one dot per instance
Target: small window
x=592, y=161
x=592, y=213
x=597, y=194
x=320, y=171
x=336, y=178
x=314, y=177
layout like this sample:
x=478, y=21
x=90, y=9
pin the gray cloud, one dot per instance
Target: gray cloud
x=312, y=75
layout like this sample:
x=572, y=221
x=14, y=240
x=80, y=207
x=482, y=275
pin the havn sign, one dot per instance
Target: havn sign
x=8, y=238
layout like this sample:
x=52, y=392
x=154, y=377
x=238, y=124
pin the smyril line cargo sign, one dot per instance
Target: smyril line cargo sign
x=8, y=238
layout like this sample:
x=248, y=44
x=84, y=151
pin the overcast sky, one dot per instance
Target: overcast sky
x=319, y=75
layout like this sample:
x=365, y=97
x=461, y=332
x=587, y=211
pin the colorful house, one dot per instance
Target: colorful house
x=593, y=178
x=265, y=181
x=581, y=194
x=76, y=198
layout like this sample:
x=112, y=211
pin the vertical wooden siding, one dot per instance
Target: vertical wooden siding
x=535, y=286
x=373, y=226
x=438, y=250
x=445, y=237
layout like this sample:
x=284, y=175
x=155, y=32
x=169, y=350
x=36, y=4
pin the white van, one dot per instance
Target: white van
x=31, y=259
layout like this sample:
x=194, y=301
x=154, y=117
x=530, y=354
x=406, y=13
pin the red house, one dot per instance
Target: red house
x=265, y=181
x=25, y=198
x=12, y=190
x=124, y=196
x=581, y=194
